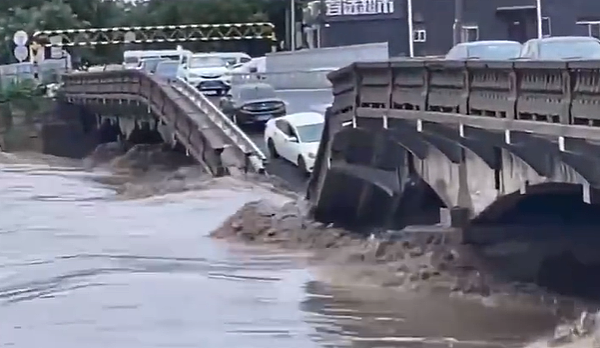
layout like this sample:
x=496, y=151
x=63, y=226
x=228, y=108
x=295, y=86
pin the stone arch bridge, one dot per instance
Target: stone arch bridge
x=482, y=136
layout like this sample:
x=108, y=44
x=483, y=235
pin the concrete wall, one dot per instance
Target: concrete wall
x=331, y=57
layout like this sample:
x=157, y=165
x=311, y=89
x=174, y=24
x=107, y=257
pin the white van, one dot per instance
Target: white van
x=133, y=59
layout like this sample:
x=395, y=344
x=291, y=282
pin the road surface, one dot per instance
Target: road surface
x=298, y=101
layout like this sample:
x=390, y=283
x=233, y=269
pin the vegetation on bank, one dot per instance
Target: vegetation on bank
x=19, y=99
x=33, y=15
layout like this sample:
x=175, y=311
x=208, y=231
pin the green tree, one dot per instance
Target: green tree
x=33, y=15
x=54, y=14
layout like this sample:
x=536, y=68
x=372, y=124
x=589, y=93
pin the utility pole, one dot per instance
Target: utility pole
x=458, y=21
x=411, y=29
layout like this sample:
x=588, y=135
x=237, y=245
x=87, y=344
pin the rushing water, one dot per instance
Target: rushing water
x=80, y=267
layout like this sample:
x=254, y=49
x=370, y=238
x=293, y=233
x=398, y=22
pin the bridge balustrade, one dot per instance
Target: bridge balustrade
x=553, y=92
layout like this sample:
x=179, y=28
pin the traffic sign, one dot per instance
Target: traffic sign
x=129, y=36
x=20, y=38
x=21, y=53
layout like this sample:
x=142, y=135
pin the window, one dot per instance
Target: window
x=420, y=35
x=310, y=133
x=569, y=48
x=230, y=61
x=131, y=60
x=284, y=127
x=595, y=30
x=527, y=50
x=206, y=62
x=470, y=33
x=546, y=27
x=492, y=51
x=592, y=28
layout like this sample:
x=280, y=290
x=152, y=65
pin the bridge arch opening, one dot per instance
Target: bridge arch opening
x=339, y=203
x=547, y=203
x=548, y=236
x=418, y=205
x=414, y=203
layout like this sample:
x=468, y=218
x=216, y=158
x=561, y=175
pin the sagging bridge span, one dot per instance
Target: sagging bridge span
x=133, y=99
x=480, y=135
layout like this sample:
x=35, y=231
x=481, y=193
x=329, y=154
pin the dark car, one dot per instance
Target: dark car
x=485, y=50
x=562, y=48
x=252, y=103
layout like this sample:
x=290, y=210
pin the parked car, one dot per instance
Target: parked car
x=167, y=69
x=208, y=72
x=252, y=103
x=234, y=58
x=485, y=50
x=562, y=48
x=295, y=138
x=256, y=65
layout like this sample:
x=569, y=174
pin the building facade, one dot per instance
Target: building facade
x=346, y=22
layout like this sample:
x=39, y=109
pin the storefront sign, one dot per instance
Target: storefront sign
x=337, y=8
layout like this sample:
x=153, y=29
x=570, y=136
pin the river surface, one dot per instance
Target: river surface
x=80, y=267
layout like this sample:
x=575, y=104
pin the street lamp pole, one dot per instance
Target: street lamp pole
x=293, y=25
x=538, y=6
x=458, y=21
x=411, y=30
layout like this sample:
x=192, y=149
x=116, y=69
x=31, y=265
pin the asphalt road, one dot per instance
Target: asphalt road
x=298, y=101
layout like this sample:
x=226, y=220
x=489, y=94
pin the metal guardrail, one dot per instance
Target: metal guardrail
x=49, y=71
x=299, y=80
x=257, y=158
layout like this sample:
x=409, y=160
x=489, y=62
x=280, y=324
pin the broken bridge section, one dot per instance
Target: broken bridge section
x=132, y=97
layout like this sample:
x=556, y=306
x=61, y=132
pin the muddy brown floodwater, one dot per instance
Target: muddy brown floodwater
x=119, y=255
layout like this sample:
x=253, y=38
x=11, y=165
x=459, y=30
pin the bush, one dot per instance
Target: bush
x=19, y=98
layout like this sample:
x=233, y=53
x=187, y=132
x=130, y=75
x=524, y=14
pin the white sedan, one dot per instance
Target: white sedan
x=295, y=138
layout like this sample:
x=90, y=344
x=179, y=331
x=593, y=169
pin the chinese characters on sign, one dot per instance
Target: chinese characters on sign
x=358, y=7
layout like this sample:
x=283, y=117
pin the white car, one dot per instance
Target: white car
x=256, y=65
x=207, y=72
x=295, y=138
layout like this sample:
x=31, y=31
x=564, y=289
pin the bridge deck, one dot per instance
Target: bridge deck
x=210, y=138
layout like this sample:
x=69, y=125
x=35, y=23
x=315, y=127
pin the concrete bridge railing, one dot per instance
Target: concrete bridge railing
x=205, y=132
x=237, y=136
x=481, y=135
x=553, y=92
